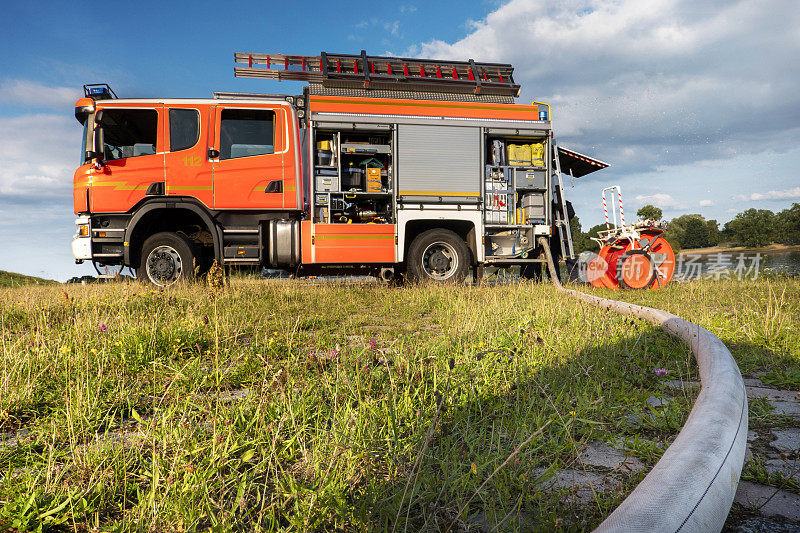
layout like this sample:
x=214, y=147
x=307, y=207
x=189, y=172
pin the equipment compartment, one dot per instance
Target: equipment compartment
x=516, y=185
x=360, y=180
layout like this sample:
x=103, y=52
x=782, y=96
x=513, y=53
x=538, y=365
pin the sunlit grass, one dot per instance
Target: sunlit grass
x=320, y=405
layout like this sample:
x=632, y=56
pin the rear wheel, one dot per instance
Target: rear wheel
x=438, y=255
x=531, y=271
x=166, y=259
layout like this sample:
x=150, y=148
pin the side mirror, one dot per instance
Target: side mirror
x=99, y=138
x=99, y=143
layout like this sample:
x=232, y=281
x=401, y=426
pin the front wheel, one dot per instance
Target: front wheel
x=166, y=259
x=438, y=255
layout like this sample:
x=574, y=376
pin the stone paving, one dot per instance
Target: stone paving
x=773, y=445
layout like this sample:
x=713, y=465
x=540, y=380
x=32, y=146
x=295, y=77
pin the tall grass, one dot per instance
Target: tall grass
x=303, y=405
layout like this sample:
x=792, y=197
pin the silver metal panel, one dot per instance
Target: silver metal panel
x=331, y=118
x=351, y=126
x=284, y=243
x=517, y=131
x=438, y=159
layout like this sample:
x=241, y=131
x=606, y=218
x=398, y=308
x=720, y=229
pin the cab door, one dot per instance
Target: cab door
x=188, y=171
x=248, y=157
x=133, y=157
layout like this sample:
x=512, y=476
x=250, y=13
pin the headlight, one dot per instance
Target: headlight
x=84, y=226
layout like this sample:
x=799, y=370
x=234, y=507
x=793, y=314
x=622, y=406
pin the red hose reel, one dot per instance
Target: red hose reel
x=631, y=257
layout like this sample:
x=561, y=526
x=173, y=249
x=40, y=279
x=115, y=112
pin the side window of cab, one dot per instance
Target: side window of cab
x=246, y=133
x=129, y=133
x=184, y=129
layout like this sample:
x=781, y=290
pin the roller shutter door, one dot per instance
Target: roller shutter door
x=439, y=161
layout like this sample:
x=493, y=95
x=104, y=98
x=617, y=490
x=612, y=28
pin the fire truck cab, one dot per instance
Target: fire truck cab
x=369, y=170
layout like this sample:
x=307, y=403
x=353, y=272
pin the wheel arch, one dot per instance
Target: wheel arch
x=166, y=215
x=463, y=228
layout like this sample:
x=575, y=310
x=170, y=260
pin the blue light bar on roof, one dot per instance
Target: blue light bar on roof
x=99, y=91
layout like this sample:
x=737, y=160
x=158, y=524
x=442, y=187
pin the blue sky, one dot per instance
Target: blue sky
x=694, y=103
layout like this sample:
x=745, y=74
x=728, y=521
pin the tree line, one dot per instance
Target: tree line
x=752, y=228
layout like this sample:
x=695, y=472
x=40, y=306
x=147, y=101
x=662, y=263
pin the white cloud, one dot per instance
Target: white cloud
x=39, y=154
x=706, y=203
x=408, y=8
x=649, y=84
x=786, y=194
x=659, y=200
x=392, y=27
x=33, y=94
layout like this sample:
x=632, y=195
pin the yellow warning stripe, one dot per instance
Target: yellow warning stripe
x=438, y=193
x=352, y=237
x=188, y=187
x=121, y=185
x=260, y=188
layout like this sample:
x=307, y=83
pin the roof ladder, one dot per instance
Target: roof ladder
x=377, y=72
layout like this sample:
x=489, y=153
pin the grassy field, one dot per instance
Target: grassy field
x=12, y=279
x=309, y=405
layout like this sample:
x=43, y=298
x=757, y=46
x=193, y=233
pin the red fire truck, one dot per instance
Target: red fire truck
x=391, y=166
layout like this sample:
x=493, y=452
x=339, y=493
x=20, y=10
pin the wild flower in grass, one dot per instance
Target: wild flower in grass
x=373, y=344
x=660, y=372
x=102, y=327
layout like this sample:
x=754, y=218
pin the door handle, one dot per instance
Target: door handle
x=213, y=154
x=274, y=186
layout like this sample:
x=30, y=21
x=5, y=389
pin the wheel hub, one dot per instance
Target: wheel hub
x=440, y=260
x=164, y=266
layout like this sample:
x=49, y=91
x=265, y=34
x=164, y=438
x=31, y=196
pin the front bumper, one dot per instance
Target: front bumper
x=82, y=242
x=82, y=248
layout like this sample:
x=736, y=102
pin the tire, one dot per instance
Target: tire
x=438, y=255
x=636, y=276
x=166, y=259
x=532, y=271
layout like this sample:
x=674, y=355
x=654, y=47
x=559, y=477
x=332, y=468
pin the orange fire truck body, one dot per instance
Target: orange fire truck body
x=355, y=182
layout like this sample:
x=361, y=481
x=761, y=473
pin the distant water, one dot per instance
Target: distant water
x=735, y=265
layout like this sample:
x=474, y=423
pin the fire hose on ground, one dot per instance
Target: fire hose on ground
x=691, y=488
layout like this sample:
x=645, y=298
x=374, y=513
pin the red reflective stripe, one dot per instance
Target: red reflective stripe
x=455, y=73
x=405, y=70
x=338, y=66
x=438, y=72
x=355, y=66
x=267, y=61
x=422, y=71
x=286, y=63
x=250, y=61
x=469, y=74
x=304, y=63
x=389, y=68
x=372, y=67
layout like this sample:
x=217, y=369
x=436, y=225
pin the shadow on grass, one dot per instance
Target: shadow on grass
x=253, y=462
x=599, y=394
